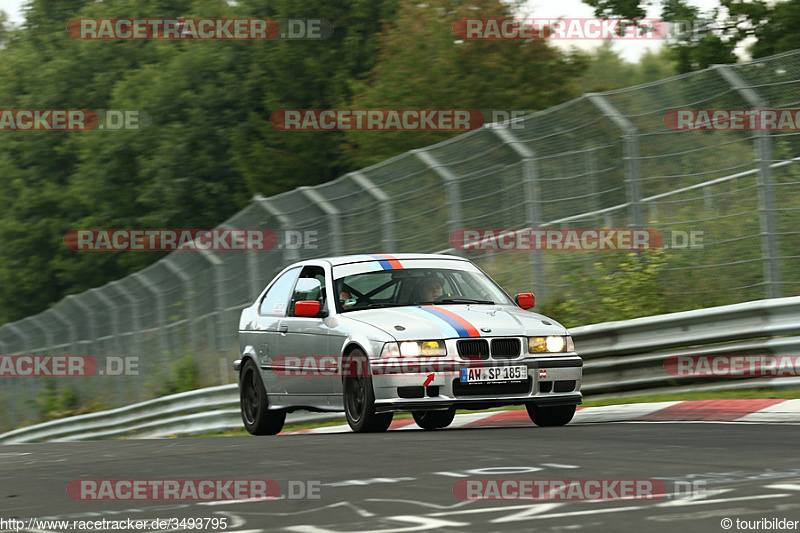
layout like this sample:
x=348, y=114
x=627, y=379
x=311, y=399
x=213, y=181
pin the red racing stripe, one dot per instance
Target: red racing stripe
x=472, y=330
x=392, y=260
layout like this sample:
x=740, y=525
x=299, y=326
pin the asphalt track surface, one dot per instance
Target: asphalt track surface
x=403, y=480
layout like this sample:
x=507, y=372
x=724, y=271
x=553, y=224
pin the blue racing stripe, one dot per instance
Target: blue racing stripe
x=385, y=264
x=450, y=331
x=462, y=332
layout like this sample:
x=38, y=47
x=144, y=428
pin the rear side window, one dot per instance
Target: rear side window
x=310, y=286
x=277, y=297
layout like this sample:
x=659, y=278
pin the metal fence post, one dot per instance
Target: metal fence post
x=217, y=264
x=136, y=325
x=98, y=294
x=12, y=408
x=334, y=224
x=141, y=277
x=26, y=347
x=89, y=318
x=452, y=190
x=290, y=255
x=766, y=195
x=48, y=335
x=191, y=310
x=633, y=170
x=73, y=329
x=387, y=209
x=532, y=202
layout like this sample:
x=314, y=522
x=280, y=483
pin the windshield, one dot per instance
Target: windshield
x=416, y=286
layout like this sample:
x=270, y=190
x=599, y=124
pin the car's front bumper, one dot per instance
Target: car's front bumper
x=551, y=380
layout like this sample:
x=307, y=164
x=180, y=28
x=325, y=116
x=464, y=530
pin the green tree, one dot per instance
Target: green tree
x=714, y=35
x=305, y=75
x=423, y=66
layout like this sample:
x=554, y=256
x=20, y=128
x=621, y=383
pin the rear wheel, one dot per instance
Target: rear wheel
x=257, y=418
x=434, y=419
x=359, y=397
x=557, y=415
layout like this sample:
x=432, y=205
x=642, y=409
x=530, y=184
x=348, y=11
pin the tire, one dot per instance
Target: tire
x=359, y=399
x=434, y=419
x=557, y=415
x=257, y=418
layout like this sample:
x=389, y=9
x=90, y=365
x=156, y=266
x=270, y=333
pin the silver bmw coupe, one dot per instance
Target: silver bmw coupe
x=372, y=335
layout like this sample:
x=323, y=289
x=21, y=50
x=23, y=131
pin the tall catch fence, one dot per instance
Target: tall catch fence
x=604, y=160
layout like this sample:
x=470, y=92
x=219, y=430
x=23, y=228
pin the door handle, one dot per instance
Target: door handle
x=283, y=329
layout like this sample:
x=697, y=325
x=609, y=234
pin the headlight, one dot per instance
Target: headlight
x=570, y=344
x=555, y=343
x=422, y=348
x=551, y=344
x=390, y=349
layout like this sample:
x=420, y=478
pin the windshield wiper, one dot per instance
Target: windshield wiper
x=378, y=306
x=463, y=301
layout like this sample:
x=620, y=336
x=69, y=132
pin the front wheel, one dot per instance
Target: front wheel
x=257, y=418
x=434, y=419
x=359, y=398
x=557, y=415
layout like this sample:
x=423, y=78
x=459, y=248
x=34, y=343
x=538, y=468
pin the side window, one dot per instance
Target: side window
x=274, y=302
x=310, y=286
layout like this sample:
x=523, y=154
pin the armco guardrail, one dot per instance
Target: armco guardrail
x=204, y=410
x=620, y=357
x=629, y=355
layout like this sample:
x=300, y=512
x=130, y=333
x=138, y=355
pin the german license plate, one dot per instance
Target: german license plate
x=510, y=374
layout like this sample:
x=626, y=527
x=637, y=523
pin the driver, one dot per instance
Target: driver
x=431, y=288
x=346, y=299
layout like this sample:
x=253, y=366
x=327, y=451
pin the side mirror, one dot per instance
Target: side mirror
x=307, y=308
x=525, y=300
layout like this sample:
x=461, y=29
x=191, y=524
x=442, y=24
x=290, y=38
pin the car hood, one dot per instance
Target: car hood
x=450, y=321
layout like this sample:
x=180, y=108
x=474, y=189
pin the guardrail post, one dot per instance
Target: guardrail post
x=632, y=168
x=452, y=191
x=290, y=255
x=769, y=246
x=387, y=209
x=533, y=216
x=334, y=224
